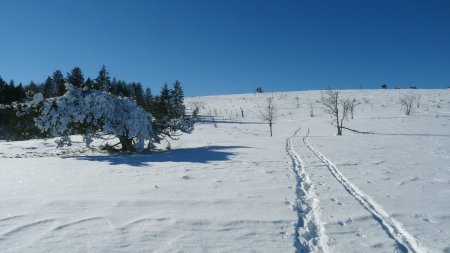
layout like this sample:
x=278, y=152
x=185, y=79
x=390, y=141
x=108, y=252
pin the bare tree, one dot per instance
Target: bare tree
x=337, y=108
x=311, y=109
x=352, y=103
x=418, y=100
x=269, y=114
x=407, y=103
x=195, y=106
x=298, y=101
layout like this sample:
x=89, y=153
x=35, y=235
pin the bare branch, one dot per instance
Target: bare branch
x=269, y=113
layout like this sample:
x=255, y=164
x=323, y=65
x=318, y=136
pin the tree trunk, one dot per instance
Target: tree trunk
x=270, y=124
x=127, y=144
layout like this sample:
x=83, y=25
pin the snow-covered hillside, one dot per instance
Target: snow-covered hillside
x=230, y=187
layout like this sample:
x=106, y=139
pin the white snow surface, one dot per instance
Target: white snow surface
x=230, y=187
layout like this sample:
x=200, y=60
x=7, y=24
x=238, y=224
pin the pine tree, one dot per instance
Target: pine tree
x=177, y=100
x=59, y=81
x=103, y=81
x=2, y=90
x=161, y=106
x=93, y=113
x=130, y=90
x=113, y=88
x=75, y=77
x=48, y=89
x=148, y=98
x=30, y=90
x=89, y=84
x=121, y=89
x=139, y=94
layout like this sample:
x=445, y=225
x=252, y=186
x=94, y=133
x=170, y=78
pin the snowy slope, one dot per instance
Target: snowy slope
x=229, y=187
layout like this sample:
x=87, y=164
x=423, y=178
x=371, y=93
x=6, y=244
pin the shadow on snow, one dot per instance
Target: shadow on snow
x=211, y=120
x=183, y=155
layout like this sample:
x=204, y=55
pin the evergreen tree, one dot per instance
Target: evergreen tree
x=102, y=81
x=113, y=89
x=75, y=77
x=139, y=94
x=10, y=93
x=148, y=98
x=48, y=89
x=130, y=90
x=59, y=81
x=89, y=84
x=177, y=100
x=2, y=90
x=20, y=94
x=121, y=89
x=31, y=89
x=162, y=106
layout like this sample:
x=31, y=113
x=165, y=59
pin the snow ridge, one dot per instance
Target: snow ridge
x=405, y=241
x=309, y=231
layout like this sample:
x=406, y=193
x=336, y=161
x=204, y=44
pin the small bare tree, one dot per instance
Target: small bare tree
x=269, y=114
x=418, y=100
x=298, y=101
x=337, y=108
x=311, y=109
x=407, y=103
x=352, y=105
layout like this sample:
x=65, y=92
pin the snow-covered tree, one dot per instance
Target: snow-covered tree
x=93, y=113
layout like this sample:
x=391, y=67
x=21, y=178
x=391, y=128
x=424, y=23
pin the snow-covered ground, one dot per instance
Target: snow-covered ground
x=230, y=187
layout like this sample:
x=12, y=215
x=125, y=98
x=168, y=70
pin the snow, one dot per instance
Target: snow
x=230, y=187
x=100, y=110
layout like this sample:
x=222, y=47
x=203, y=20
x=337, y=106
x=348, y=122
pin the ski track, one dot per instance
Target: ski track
x=405, y=241
x=309, y=231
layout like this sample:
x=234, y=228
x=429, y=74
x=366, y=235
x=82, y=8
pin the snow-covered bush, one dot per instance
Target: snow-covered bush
x=91, y=113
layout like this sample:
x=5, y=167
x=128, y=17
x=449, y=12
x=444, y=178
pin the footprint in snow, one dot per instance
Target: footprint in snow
x=186, y=177
x=337, y=202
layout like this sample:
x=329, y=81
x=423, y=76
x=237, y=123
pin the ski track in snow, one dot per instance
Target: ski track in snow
x=405, y=241
x=309, y=231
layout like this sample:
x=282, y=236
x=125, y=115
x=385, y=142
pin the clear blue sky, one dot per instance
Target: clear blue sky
x=231, y=46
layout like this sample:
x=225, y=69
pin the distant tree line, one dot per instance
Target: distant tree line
x=168, y=104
